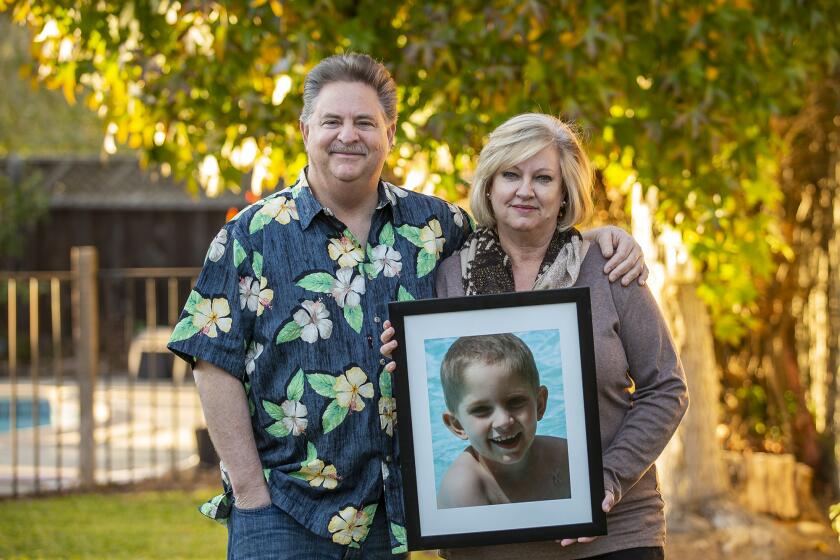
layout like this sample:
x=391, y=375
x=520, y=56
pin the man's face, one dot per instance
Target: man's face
x=498, y=412
x=347, y=137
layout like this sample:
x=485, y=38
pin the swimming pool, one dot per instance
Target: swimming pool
x=23, y=412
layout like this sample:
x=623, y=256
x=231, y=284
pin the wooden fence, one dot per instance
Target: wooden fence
x=88, y=393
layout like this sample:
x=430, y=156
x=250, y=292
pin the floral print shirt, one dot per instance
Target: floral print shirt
x=292, y=304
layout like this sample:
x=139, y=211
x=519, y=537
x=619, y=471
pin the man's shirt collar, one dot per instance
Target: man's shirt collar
x=308, y=206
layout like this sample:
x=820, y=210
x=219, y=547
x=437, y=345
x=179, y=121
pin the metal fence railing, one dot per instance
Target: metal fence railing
x=88, y=393
x=33, y=308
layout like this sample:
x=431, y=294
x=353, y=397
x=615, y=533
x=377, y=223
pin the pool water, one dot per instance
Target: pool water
x=23, y=412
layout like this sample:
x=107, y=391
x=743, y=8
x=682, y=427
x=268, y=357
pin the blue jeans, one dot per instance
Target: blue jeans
x=269, y=533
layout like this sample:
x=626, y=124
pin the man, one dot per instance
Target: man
x=283, y=327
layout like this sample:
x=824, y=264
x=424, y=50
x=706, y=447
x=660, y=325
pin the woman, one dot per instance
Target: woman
x=532, y=185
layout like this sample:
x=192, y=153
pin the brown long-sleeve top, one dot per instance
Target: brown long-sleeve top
x=642, y=397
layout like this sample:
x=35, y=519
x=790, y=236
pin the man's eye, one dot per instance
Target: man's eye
x=366, y=124
x=480, y=411
x=330, y=122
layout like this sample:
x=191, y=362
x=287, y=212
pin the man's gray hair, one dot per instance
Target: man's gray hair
x=351, y=67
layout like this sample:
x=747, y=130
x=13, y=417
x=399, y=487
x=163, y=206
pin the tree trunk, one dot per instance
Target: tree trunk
x=691, y=467
x=692, y=463
x=833, y=390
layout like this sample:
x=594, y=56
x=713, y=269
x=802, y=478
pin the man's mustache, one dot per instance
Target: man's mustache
x=341, y=148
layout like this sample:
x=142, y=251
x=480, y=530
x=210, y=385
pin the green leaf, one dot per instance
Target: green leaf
x=349, y=235
x=273, y=410
x=251, y=406
x=385, y=386
x=238, y=253
x=399, y=549
x=219, y=499
x=267, y=474
x=322, y=383
x=321, y=282
x=208, y=509
x=354, y=317
x=289, y=332
x=258, y=221
x=386, y=236
x=278, y=429
x=184, y=329
x=192, y=301
x=311, y=453
x=368, y=270
x=353, y=544
x=299, y=475
x=411, y=233
x=425, y=263
x=333, y=416
x=294, y=392
x=404, y=295
x=399, y=533
x=258, y=264
x=370, y=511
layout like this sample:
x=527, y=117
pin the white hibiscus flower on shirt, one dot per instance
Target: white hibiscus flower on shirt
x=386, y=259
x=249, y=293
x=313, y=321
x=295, y=419
x=347, y=290
x=217, y=246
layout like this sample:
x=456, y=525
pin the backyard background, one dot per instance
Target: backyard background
x=129, y=131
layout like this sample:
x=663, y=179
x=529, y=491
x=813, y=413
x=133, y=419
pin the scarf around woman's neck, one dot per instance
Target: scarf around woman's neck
x=487, y=269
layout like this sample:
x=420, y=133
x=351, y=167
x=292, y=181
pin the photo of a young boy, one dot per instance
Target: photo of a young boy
x=491, y=386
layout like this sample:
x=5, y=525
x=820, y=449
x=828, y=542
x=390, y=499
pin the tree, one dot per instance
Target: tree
x=34, y=120
x=782, y=379
x=678, y=95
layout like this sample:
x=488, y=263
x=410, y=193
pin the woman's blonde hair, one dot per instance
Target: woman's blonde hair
x=520, y=138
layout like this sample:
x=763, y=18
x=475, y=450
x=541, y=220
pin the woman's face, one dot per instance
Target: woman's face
x=526, y=198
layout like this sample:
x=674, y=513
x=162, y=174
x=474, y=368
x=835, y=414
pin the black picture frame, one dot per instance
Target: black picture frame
x=549, y=322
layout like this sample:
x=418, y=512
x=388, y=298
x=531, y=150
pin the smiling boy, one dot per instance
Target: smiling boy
x=494, y=400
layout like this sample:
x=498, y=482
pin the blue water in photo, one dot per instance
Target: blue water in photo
x=544, y=344
x=23, y=413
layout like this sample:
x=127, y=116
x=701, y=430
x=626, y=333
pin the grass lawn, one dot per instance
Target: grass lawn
x=112, y=525
x=135, y=525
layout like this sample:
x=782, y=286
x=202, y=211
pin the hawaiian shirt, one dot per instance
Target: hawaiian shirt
x=292, y=304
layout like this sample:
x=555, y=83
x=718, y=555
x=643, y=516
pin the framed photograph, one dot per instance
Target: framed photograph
x=498, y=428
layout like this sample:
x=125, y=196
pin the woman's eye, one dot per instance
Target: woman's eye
x=509, y=175
x=544, y=178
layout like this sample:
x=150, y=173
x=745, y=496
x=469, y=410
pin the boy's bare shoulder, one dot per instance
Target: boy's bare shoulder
x=551, y=446
x=462, y=484
x=553, y=469
x=552, y=442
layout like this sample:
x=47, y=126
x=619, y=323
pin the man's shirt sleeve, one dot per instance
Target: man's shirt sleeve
x=217, y=321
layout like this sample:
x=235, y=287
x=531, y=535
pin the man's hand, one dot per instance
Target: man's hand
x=626, y=260
x=606, y=505
x=252, y=498
x=388, y=345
